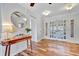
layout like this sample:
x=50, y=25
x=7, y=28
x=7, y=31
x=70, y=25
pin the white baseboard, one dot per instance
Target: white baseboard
x=67, y=40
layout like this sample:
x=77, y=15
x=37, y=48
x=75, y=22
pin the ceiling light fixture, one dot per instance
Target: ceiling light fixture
x=46, y=12
x=70, y=6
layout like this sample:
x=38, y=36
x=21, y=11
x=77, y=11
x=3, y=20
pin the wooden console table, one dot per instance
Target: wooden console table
x=15, y=40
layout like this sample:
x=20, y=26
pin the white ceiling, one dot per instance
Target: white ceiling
x=55, y=8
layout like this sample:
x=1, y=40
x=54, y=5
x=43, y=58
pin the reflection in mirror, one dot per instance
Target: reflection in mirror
x=18, y=19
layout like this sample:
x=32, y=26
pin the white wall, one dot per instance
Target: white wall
x=0, y=22
x=39, y=28
x=34, y=28
x=76, y=30
x=0, y=30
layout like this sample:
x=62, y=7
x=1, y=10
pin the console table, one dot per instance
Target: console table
x=8, y=43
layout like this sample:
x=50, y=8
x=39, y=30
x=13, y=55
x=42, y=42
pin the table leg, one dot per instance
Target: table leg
x=9, y=50
x=6, y=50
x=31, y=44
x=27, y=44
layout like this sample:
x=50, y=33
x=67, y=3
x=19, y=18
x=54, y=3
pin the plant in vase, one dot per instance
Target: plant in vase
x=27, y=30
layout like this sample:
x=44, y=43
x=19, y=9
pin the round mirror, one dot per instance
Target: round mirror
x=18, y=19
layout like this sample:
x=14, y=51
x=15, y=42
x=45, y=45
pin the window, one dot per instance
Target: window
x=72, y=28
x=58, y=29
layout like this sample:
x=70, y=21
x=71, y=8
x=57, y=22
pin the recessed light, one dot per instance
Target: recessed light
x=46, y=12
x=70, y=6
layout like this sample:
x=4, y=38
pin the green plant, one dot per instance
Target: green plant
x=28, y=29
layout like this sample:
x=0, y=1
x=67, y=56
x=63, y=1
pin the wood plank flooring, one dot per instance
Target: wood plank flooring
x=47, y=47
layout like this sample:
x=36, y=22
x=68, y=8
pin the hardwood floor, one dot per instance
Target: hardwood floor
x=47, y=47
